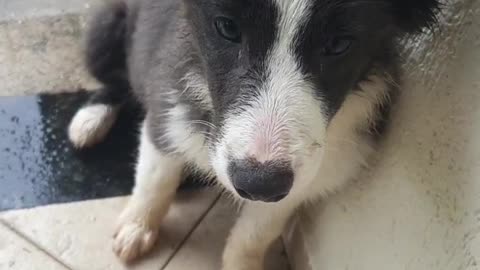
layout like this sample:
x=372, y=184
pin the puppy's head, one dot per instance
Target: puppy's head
x=279, y=70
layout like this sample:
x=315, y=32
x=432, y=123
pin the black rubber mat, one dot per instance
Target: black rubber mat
x=38, y=166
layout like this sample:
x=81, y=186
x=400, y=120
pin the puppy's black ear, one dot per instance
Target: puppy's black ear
x=415, y=15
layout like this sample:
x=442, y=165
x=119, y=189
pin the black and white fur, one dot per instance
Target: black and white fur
x=274, y=116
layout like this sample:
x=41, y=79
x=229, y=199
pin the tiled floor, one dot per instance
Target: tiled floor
x=78, y=236
x=19, y=253
x=65, y=222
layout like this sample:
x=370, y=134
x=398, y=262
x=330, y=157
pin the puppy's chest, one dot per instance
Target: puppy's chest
x=185, y=136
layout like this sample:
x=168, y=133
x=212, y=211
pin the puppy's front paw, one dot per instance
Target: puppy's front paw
x=133, y=240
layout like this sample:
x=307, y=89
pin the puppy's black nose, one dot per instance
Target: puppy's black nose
x=268, y=182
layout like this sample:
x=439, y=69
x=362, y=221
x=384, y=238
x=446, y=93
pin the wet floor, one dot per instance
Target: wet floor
x=38, y=165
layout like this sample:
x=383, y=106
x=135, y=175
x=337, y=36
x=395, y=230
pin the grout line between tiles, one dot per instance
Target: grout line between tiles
x=192, y=230
x=33, y=243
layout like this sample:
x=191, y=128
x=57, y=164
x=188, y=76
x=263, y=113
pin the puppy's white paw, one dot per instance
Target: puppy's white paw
x=133, y=240
x=91, y=124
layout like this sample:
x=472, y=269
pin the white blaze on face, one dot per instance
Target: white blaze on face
x=285, y=119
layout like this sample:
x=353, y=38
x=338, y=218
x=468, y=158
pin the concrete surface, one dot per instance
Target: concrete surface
x=418, y=208
x=41, y=44
x=21, y=9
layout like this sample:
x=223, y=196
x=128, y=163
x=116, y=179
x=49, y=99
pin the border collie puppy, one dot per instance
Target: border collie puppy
x=281, y=101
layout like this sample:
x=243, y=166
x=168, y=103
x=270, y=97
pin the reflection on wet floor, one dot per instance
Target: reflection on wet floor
x=38, y=166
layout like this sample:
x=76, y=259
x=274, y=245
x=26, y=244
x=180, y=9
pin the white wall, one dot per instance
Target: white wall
x=419, y=206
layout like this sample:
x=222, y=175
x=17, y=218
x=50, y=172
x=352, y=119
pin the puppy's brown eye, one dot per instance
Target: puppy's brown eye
x=338, y=46
x=228, y=29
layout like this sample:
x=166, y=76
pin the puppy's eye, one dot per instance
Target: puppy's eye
x=338, y=46
x=228, y=29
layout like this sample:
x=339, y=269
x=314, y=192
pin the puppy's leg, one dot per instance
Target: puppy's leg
x=257, y=228
x=157, y=179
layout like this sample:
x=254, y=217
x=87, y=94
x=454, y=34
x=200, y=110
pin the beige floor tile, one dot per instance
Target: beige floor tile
x=18, y=254
x=79, y=234
x=203, y=249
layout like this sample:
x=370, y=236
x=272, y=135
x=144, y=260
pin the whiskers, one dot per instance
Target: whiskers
x=209, y=132
x=233, y=200
x=207, y=124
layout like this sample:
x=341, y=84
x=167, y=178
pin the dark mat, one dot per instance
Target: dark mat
x=38, y=166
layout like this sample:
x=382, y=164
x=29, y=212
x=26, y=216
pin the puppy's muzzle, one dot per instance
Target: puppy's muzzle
x=268, y=182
